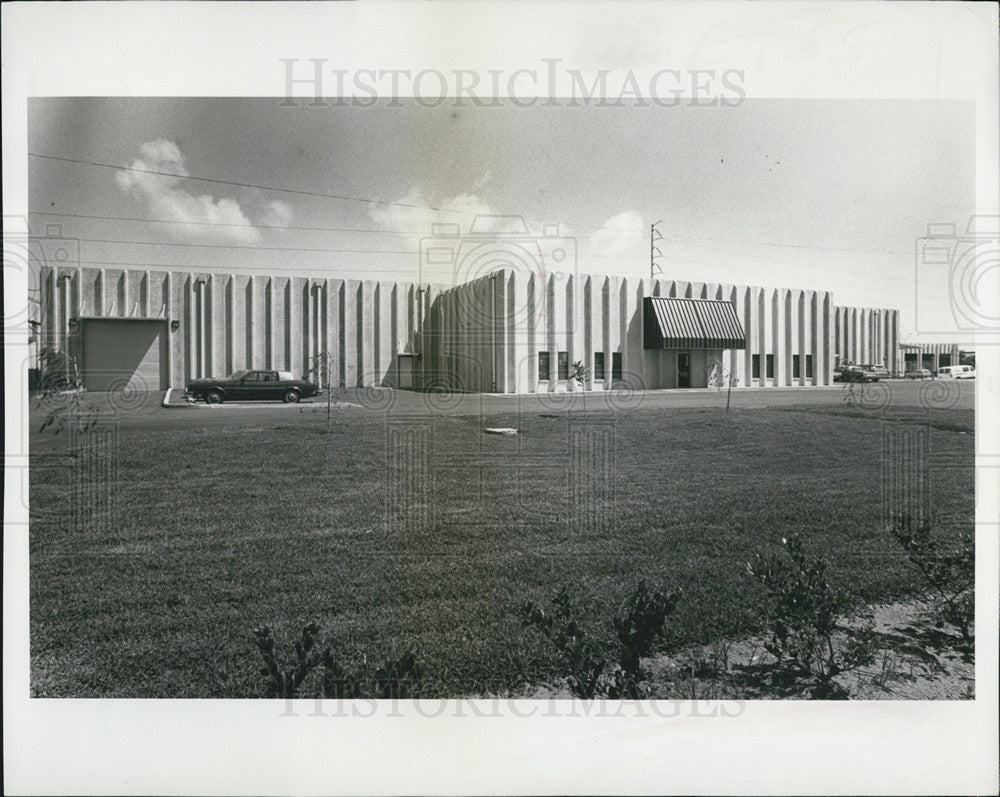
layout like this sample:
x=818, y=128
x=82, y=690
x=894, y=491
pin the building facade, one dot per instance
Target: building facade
x=931, y=356
x=867, y=336
x=506, y=332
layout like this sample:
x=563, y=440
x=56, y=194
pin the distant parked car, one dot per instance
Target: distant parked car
x=875, y=372
x=252, y=386
x=957, y=372
x=919, y=373
x=857, y=373
x=845, y=373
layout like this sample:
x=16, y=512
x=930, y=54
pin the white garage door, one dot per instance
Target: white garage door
x=123, y=352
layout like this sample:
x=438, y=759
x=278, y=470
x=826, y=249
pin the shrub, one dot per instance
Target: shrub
x=58, y=371
x=286, y=683
x=584, y=660
x=59, y=376
x=949, y=573
x=636, y=632
x=395, y=678
x=801, y=621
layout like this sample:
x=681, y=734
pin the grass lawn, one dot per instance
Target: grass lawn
x=426, y=534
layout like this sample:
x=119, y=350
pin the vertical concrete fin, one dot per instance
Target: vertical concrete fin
x=231, y=324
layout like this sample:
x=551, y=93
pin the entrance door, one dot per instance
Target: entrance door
x=683, y=369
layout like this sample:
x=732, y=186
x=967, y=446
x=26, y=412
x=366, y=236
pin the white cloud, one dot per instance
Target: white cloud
x=201, y=217
x=278, y=214
x=414, y=215
x=622, y=234
x=614, y=248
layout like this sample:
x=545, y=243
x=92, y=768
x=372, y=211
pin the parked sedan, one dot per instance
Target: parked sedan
x=919, y=373
x=252, y=386
x=855, y=373
x=875, y=372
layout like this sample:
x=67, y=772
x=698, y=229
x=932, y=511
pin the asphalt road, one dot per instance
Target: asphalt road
x=143, y=412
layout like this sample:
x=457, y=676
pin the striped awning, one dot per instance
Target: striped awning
x=671, y=323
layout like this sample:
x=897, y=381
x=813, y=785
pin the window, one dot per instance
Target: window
x=543, y=366
x=598, y=365
x=756, y=366
x=616, y=365
x=796, y=367
x=563, y=365
x=809, y=366
x=770, y=366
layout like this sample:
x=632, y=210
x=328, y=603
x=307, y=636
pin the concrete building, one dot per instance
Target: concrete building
x=928, y=355
x=509, y=331
x=867, y=336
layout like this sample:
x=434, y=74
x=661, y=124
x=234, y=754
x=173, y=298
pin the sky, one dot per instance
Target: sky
x=818, y=194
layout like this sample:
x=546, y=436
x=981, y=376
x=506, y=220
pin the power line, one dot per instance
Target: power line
x=634, y=233
x=840, y=272
x=677, y=239
x=283, y=248
x=216, y=223
x=297, y=191
x=409, y=253
x=245, y=248
x=238, y=184
x=795, y=246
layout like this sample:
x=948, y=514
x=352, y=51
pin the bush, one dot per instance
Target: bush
x=641, y=626
x=395, y=678
x=950, y=574
x=58, y=371
x=286, y=682
x=801, y=621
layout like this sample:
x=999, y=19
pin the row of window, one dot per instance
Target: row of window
x=769, y=364
x=562, y=365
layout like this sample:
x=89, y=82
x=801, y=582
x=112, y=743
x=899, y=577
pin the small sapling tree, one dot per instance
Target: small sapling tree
x=60, y=390
x=322, y=367
x=719, y=379
x=580, y=374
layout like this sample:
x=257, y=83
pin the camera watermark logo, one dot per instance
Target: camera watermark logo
x=24, y=257
x=958, y=278
x=494, y=244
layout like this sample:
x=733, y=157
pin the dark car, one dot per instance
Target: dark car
x=873, y=373
x=252, y=386
x=851, y=373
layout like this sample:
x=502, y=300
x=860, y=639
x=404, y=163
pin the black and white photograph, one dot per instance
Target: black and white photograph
x=597, y=390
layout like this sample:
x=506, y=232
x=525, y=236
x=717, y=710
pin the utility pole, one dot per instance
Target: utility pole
x=654, y=250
